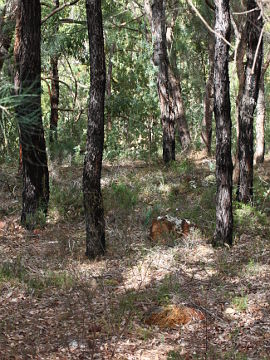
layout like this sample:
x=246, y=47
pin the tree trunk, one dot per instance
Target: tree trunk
x=54, y=91
x=160, y=58
x=109, y=84
x=93, y=204
x=248, y=103
x=260, y=120
x=240, y=70
x=35, y=194
x=178, y=109
x=6, y=30
x=222, y=109
x=208, y=102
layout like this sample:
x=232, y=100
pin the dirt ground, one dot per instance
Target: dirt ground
x=56, y=304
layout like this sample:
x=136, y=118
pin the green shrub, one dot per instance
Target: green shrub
x=120, y=196
x=68, y=201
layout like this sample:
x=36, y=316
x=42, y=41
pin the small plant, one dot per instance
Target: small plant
x=175, y=355
x=168, y=287
x=67, y=201
x=240, y=302
x=151, y=213
x=120, y=196
x=52, y=279
x=185, y=167
x=36, y=220
x=144, y=333
x=12, y=271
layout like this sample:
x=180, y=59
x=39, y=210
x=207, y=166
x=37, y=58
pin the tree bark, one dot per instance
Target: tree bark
x=240, y=52
x=208, y=102
x=35, y=194
x=160, y=59
x=222, y=109
x=7, y=19
x=93, y=204
x=109, y=84
x=54, y=99
x=248, y=103
x=178, y=109
x=260, y=119
x=260, y=122
x=54, y=91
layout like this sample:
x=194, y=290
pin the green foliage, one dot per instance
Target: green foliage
x=240, y=302
x=12, y=271
x=120, y=196
x=68, y=201
x=175, y=355
x=167, y=288
x=38, y=219
x=249, y=219
x=150, y=213
x=184, y=167
x=17, y=272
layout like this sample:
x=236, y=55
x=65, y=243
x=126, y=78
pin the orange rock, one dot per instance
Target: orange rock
x=173, y=316
x=163, y=226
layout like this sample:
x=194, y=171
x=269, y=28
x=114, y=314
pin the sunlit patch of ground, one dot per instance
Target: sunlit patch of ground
x=56, y=304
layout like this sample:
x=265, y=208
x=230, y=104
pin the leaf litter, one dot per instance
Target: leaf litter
x=56, y=304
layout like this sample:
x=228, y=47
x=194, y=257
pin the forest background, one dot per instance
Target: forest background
x=40, y=264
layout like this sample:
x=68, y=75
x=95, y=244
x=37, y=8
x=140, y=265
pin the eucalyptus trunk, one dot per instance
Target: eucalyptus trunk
x=54, y=91
x=109, y=84
x=248, y=102
x=208, y=102
x=260, y=122
x=178, y=109
x=240, y=70
x=35, y=194
x=222, y=109
x=93, y=204
x=160, y=58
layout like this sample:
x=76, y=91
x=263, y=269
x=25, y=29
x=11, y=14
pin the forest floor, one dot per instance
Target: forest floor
x=56, y=304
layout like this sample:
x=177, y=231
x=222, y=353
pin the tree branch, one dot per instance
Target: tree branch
x=57, y=9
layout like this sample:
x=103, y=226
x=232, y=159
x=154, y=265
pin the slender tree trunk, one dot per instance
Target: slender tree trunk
x=35, y=194
x=160, y=59
x=54, y=91
x=240, y=69
x=178, y=109
x=222, y=108
x=93, y=204
x=260, y=119
x=248, y=103
x=109, y=84
x=208, y=102
x=7, y=19
x=174, y=105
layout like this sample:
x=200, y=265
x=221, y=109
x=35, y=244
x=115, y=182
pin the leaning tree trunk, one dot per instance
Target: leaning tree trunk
x=93, y=204
x=54, y=91
x=248, y=102
x=222, y=109
x=35, y=194
x=208, y=102
x=160, y=59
